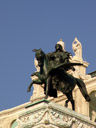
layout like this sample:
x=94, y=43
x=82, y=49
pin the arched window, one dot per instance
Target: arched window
x=14, y=124
x=92, y=106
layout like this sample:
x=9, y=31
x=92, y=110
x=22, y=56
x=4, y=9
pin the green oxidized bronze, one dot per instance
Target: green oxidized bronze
x=53, y=74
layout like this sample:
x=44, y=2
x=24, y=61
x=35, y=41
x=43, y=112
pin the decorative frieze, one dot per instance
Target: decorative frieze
x=49, y=114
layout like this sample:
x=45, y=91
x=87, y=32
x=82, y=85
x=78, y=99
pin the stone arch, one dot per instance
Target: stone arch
x=92, y=106
x=13, y=124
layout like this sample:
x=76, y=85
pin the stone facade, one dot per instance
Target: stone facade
x=51, y=113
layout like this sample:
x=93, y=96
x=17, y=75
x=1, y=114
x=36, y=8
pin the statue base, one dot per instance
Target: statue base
x=46, y=114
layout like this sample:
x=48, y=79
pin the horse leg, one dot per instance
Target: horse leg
x=35, y=74
x=48, y=82
x=34, y=82
x=83, y=89
x=29, y=87
x=70, y=98
x=66, y=103
x=73, y=104
x=72, y=101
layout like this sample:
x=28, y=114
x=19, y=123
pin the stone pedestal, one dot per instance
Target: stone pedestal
x=45, y=114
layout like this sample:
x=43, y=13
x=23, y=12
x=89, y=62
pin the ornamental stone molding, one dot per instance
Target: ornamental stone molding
x=45, y=114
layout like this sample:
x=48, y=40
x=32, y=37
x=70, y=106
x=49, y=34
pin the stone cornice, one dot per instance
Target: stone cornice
x=13, y=110
x=52, y=114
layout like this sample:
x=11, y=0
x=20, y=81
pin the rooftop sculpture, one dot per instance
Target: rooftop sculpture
x=53, y=74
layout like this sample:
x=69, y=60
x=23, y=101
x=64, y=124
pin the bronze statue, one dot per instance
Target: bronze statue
x=59, y=56
x=53, y=75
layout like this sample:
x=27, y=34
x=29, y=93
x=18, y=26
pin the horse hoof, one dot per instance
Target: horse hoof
x=66, y=105
x=87, y=98
x=45, y=97
x=28, y=90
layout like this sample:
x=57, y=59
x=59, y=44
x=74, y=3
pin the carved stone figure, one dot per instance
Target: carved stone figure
x=77, y=48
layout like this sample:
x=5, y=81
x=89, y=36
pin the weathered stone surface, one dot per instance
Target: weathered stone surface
x=44, y=114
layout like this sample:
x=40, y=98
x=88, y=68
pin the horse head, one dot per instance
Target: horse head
x=39, y=54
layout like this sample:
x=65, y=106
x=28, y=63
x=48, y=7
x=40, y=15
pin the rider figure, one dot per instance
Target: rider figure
x=59, y=56
x=56, y=58
x=59, y=60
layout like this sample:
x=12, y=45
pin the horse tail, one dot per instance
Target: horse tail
x=83, y=89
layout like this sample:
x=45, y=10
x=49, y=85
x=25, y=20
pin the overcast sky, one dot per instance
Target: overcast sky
x=29, y=24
